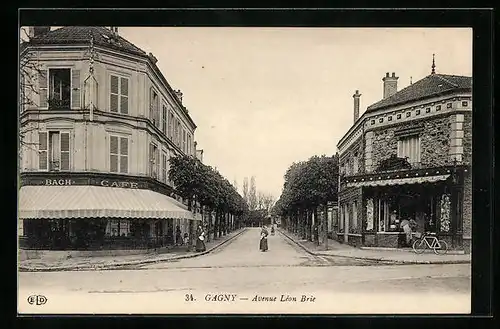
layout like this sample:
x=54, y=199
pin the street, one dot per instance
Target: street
x=251, y=281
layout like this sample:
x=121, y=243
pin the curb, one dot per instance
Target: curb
x=401, y=262
x=121, y=265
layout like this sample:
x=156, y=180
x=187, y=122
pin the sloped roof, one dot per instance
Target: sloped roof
x=431, y=85
x=81, y=35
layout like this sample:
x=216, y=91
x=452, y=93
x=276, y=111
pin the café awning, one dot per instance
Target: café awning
x=78, y=202
x=399, y=181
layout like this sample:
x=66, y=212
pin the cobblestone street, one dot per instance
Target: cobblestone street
x=238, y=267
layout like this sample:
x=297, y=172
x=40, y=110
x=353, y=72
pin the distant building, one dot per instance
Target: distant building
x=100, y=124
x=409, y=156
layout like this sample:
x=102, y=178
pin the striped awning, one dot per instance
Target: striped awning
x=399, y=181
x=53, y=202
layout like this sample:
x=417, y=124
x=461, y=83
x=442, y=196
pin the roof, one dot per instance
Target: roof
x=81, y=35
x=431, y=85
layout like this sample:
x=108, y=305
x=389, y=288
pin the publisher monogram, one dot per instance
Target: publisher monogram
x=37, y=300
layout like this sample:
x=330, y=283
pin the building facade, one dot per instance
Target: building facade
x=409, y=157
x=98, y=123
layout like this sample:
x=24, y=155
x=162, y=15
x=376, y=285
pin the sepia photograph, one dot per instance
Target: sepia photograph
x=244, y=170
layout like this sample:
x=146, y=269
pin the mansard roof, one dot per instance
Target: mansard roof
x=430, y=86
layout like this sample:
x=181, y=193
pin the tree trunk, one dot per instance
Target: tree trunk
x=325, y=225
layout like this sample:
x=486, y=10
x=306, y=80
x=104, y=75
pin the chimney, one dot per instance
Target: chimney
x=36, y=31
x=356, y=97
x=153, y=58
x=390, y=84
x=179, y=95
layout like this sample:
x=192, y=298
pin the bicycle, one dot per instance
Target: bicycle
x=430, y=240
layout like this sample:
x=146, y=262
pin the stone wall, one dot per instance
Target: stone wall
x=467, y=211
x=434, y=141
x=467, y=140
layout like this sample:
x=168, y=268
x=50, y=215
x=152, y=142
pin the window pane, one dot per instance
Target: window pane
x=64, y=160
x=123, y=164
x=64, y=142
x=113, y=103
x=124, y=104
x=113, y=144
x=114, y=84
x=113, y=163
x=123, y=146
x=124, y=86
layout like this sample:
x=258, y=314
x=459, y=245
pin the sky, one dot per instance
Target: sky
x=263, y=98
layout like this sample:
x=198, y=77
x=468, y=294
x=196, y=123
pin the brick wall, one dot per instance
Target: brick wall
x=434, y=141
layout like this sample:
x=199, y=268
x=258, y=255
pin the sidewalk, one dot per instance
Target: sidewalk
x=116, y=262
x=398, y=256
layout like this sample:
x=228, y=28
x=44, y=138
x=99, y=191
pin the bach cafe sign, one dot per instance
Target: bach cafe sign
x=100, y=182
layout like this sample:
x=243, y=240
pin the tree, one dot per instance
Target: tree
x=252, y=195
x=308, y=185
x=29, y=74
x=245, y=189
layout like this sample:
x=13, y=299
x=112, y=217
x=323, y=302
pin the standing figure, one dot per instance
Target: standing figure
x=263, y=239
x=178, y=236
x=272, y=229
x=200, y=241
x=405, y=225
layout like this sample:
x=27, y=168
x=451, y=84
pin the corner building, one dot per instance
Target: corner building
x=98, y=126
x=409, y=157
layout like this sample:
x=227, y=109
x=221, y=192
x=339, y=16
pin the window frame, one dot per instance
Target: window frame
x=47, y=79
x=48, y=150
x=120, y=95
x=119, y=153
x=408, y=154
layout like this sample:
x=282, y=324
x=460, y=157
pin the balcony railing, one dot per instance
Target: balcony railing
x=58, y=104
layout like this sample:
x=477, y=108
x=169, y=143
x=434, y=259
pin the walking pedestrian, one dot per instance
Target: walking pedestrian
x=200, y=241
x=263, y=239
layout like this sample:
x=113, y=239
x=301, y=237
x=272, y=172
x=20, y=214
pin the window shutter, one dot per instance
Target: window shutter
x=123, y=155
x=42, y=88
x=75, y=89
x=113, y=154
x=42, y=150
x=113, y=102
x=65, y=151
x=124, y=95
x=151, y=159
x=151, y=102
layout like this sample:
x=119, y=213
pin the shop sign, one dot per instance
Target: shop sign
x=122, y=184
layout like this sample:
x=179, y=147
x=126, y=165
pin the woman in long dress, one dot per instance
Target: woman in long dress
x=263, y=239
x=200, y=240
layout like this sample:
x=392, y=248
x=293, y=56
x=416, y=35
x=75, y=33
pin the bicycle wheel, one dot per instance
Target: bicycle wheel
x=441, y=247
x=419, y=246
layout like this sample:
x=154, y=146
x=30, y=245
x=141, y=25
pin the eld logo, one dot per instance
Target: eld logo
x=37, y=299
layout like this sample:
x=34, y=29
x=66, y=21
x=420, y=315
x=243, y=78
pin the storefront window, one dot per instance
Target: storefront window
x=369, y=214
x=117, y=228
x=388, y=215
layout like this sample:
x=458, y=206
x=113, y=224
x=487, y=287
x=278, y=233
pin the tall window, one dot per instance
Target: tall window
x=154, y=163
x=164, y=120
x=184, y=140
x=178, y=132
x=61, y=91
x=118, y=97
x=409, y=148
x=189, y=144
x=118, y=154
x=154, y=107
x=171, y=125
x=53, y=150
x=164, y=167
